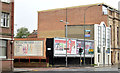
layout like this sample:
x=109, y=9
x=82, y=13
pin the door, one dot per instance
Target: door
x=103, y=55
x=108, y=59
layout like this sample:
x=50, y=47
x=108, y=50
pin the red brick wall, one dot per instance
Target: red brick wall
x=32, y=36
x=50, y=20
x=7, y=33
x=6, y=65
x=7, y=7
x=8, y=62
x=9, y=50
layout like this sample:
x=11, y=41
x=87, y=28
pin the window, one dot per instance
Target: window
x=105, y=11
x=111, y=33
x=104, y=30
x=6, y=1
x=108, y=37
x=3, y=47
x=118, y=56
x=110, y=26
x=110, y=12
x=117, y=15
x=5, y=19
x=99, y=38
x=117, y=35
x=98, y=58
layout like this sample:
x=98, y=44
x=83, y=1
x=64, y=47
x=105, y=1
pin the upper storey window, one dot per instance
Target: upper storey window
x=5, y=19
x=110, y=12
x=104, y=10
x=104, y=34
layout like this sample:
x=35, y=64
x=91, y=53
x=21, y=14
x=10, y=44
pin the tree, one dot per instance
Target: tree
x=22, y=33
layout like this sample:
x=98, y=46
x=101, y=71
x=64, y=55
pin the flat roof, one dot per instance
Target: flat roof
x=81, y=6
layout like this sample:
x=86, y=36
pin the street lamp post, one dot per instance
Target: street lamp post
x=84, y=27
x=65, y=34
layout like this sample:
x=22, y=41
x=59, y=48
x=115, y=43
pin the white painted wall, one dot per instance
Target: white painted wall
x=101, y=60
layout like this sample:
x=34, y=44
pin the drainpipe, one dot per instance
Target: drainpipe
x=12, y=32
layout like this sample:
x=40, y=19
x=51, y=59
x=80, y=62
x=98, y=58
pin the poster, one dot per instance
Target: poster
x=87, y=33
x=60, y=44
x=108, y=50
x=28, y=48
x=88, y=45
x=73, y=45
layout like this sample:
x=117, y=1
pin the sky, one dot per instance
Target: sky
x=25, y=13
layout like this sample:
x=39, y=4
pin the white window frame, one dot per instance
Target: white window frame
x=104, y=35
x=108, y=38
x=104, y=10
x=6, y=1
x=5, y=19
x=99, y=38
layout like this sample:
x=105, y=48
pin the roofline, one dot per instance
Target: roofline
x=104, y=4
x=70, y=7
x=82, y=25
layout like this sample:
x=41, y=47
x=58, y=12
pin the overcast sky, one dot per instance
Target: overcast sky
x=26, y=10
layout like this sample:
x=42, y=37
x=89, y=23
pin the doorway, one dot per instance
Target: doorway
x=103, y=55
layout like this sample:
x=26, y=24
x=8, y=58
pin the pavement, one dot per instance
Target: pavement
x=95, y=68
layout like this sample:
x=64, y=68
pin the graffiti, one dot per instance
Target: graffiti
x=27, y=48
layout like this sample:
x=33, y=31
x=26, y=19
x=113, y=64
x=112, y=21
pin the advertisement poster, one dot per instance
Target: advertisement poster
x=28, y=48
x=87, y=33
x=108, y=50
x=73, y=45
x=60, y=44
x=89, y=45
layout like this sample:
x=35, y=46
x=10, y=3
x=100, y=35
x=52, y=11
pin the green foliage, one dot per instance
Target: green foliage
x=94, y=64
x=22, y=33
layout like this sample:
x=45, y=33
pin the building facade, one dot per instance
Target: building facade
x=102, y=39
x=49, y=24
x=6, y=34
x=57, y=54
x=101, y=34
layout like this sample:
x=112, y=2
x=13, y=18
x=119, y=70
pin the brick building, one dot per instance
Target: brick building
x=49, y=24
x=33, y=34
x=98, y=33
x=6, y=34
